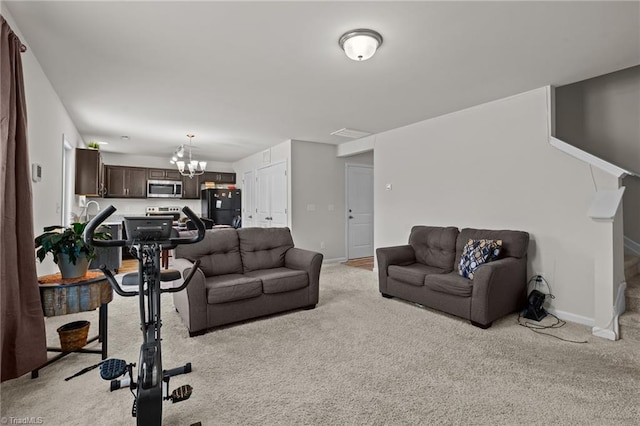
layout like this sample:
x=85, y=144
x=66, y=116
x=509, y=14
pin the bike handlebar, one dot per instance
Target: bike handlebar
x=103, y=215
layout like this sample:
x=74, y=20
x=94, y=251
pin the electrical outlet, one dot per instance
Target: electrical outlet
x=322, y=245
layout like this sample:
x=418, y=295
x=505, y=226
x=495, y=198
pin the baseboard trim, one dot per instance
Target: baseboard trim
x=612, y=330
x=604, y=333
x=567, y=316
x=631, y=246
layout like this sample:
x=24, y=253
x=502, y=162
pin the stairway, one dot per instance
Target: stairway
x=630, y=320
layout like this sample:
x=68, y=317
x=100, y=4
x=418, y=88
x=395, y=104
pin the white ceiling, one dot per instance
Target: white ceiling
x=244, y=76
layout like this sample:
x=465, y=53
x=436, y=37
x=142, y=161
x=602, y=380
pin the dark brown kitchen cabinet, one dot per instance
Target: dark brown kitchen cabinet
x=219, y=177
x=89, y=173
x=164, y=174
x=191, y=187
x=126, y=182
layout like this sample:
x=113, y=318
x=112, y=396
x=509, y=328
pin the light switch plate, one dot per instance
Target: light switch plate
x=36, y=172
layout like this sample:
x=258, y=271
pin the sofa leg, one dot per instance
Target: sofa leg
x=197, y=333
x=386, y=296
x=482, y=326
x=310, y=307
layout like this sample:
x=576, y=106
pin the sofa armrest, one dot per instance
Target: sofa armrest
x=396, y=255
x=191, y=302
x=499, y=288
x=309, y=261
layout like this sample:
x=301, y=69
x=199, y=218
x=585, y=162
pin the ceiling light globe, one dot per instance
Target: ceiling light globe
x=360, y=45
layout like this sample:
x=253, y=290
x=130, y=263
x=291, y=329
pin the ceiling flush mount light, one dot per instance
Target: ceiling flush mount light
x=360, y=44
x=193, y=167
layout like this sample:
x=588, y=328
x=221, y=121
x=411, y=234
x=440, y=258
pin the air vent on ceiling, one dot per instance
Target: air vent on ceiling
x=350, y=133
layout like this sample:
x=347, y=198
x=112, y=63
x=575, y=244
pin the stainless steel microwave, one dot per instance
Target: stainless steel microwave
x=164, y=189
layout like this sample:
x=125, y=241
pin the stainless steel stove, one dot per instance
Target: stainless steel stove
x=164, y=211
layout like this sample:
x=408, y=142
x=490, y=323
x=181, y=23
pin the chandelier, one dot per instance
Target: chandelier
x=191, y=168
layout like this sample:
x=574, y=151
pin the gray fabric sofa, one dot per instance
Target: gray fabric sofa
x=244, y=273
x=425, y=271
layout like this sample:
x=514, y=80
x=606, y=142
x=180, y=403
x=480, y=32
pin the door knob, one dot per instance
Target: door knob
x=350, y=217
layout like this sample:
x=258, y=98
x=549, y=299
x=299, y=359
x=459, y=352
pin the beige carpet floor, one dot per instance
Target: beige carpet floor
x=356, y=359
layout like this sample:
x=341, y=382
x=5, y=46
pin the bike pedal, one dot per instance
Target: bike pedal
x=112, y=368
x=181, y=394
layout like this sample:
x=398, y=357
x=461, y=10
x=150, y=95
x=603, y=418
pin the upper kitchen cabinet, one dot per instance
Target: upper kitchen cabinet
x=126, y=182
x=191, y=187
x=164, y=174
x=89, y=172
x=218, y=177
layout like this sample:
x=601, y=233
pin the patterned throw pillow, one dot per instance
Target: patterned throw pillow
x=476, y=253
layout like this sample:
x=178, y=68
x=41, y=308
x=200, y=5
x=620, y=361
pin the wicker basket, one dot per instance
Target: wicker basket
x=73, y=335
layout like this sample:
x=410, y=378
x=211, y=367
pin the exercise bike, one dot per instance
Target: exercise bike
x=147, y=237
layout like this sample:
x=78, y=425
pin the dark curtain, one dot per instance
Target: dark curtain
x=22, y=331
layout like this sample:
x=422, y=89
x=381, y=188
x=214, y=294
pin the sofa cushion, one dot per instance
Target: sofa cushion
x=219, y=252
x=263, y=248
x=434, y=245
x=476, y=253
x=514, y=243
x=280, y=280
x=227, y=288
x=451, y=283
x=412, y=274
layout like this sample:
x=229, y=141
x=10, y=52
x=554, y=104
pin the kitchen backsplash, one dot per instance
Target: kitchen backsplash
x=137, y=207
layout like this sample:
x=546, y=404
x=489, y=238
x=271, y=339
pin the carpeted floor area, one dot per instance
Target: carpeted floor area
x=356, y=359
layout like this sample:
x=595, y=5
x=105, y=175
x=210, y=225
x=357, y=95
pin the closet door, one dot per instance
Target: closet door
x=279, y=195
x=248, y=202
x=263, y=197
x=271, y=196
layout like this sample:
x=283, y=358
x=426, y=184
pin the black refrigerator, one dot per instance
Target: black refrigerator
x=221, y=205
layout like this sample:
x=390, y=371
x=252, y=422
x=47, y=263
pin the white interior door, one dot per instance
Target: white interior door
x=359, y=211
x=278, y=194
x=263, y=197
x=271, y=195
x=248, y=204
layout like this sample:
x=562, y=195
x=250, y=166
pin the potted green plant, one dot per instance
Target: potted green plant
x=67, y=246
x=93, y=145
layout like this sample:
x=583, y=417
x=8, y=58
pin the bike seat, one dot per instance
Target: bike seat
x=170, y=275
x=165, y=275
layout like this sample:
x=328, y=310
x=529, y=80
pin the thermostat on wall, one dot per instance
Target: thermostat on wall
x=36, y=172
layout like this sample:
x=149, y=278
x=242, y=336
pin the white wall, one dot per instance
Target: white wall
x=47, y=121
x=315, y=176
x=491, y=166
x=600, y=116
x=318, y=197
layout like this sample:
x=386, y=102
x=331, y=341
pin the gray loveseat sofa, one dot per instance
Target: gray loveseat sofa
x=244, y=273
x=425, y=271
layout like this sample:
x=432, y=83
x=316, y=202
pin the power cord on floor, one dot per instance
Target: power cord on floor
x=536, y=328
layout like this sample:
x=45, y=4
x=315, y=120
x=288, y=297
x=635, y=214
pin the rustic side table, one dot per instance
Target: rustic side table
x=68, y=296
